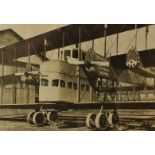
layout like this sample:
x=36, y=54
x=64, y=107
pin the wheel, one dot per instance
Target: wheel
x=90, y=120
x=38, y=118
x=52, y=116
x=101, y=122
x=30, y=117
x=113, y=118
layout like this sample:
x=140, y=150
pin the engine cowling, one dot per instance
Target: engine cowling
x=132, y=58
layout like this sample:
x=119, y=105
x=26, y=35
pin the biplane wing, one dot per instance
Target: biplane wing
x=58, y=38
x=63, y=36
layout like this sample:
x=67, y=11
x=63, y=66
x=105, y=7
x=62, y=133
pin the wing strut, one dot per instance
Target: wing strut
x=2, y=72
x=117, y=39
x=78, y=67
x=14, y=78
x=105, y=39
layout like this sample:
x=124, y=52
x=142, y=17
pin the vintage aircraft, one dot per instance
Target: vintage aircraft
x=83, y=75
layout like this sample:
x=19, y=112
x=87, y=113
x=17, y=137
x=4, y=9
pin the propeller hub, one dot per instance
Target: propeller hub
x=132, y=58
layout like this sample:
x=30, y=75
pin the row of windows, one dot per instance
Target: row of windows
x=75, y=54
x=61, y=83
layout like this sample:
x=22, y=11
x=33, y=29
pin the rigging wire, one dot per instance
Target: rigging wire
x=112, y=45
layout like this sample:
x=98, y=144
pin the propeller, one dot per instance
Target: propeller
x=132, y=58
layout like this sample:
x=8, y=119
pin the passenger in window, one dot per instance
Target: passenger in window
x=62, y=83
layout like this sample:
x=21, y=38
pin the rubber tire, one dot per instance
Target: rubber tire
x=39, y=118
x=30, y=117
x=90, y=121
x=101, y=121
x=52, y=116
x=113, y=118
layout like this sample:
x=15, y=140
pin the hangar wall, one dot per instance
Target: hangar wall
x=13, y=91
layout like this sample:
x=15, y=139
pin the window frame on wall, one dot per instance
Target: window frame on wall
x=44, y=82
x=55, y=83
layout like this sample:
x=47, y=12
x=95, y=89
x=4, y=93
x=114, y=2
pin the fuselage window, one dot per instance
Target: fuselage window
x=82, y=87
x=75, y=54
x=62, y=83
x=87, y=88
x=44, y=82
x=70, y=85
x=55, y=83
x=75, y=86
x=67, y=53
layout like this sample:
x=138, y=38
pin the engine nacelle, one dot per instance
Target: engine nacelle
x=132, y=58
x=30, y=79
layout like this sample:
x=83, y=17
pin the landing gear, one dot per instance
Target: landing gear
x=113, y=118
x=42, y=117
x=39, y=118
x=90, y=121
x=30, y=117
x=102, y=121
x=52, y=116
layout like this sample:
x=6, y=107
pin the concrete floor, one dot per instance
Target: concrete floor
x=68, y=121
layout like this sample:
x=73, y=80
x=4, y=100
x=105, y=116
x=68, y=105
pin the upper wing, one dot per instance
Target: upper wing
x=54, y=39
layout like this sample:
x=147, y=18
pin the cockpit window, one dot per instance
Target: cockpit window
x=83, y=56
x=67, y=53
x=62, y=83
x=44, y=82
x=75, y=53
x=69, y=85
x=55, y=83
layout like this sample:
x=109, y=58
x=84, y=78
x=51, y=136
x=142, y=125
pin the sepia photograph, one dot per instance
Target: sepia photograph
x=77, y=77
